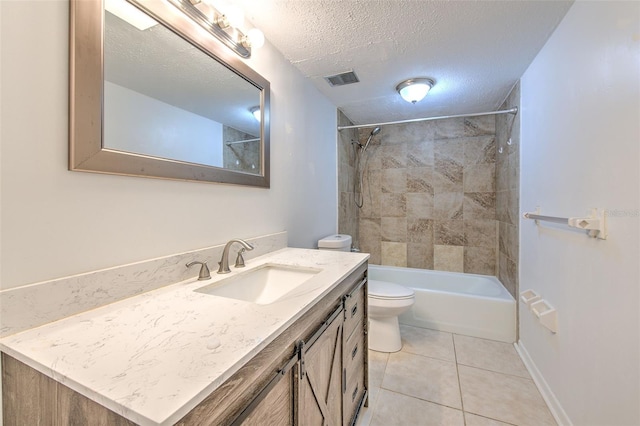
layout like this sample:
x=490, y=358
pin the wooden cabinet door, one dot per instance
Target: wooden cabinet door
x=276, y=409
x=320, y=379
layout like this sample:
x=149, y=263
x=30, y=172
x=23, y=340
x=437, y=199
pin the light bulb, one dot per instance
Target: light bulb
x=256, y=38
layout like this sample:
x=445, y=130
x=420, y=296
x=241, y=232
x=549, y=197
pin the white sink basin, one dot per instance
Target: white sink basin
x=264, y=285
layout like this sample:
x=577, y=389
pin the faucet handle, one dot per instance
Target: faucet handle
x=204, y=270
x=240, y=259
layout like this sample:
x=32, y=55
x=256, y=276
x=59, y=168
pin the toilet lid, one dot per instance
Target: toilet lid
x=388, y=290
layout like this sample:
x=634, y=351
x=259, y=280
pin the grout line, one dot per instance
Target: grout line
x=422, y=399
x=455, y=355
x=499, y=372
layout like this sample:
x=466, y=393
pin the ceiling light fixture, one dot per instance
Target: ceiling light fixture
x=415, y=89
x=256, y=112
x=223, y=25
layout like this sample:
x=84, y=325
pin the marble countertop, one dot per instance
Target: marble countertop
x=154, y=357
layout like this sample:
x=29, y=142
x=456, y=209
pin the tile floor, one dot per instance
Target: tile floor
x=448, y=379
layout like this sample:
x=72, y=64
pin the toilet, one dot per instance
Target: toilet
x=336, y=242
x=386, y=301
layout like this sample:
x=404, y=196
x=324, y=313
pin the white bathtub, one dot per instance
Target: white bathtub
x=473, y=305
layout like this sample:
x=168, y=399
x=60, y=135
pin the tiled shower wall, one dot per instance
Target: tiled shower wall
x=507, y=192
x=347, y=213
x=430, y=195
x=243, y=156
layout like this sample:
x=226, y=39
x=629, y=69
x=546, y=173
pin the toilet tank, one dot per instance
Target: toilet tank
x=337, y=242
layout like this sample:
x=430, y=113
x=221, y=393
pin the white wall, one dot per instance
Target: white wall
x=56, y=223
x=144, y=125
x=580, y=149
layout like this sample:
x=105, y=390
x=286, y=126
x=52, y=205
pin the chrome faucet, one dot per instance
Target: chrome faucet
x=224, y=262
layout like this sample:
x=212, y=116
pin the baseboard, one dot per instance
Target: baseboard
x=549, y=397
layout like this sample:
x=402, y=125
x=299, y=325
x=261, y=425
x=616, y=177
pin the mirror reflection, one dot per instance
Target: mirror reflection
x=166, y=98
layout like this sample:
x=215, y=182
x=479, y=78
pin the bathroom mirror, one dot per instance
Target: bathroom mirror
x=160, y=97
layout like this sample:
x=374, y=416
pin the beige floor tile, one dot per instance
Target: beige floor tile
x=422, y=377
x=473, y=420
x=503, y=397
x=425, y=342
x=490, y=355
x=366, y=413
x=377, y=365
x=396, y=409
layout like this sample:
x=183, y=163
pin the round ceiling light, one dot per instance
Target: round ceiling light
x=256, y=112
x=415, y=89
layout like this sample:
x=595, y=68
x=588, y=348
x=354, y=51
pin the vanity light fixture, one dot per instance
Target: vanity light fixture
x=415, y=89
x=256, y=112
x=222, y=24
x=130, y=14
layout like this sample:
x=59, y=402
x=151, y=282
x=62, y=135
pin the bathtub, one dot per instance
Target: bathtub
x=469, y=304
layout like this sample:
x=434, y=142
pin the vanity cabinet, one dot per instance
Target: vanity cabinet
x=313, y=373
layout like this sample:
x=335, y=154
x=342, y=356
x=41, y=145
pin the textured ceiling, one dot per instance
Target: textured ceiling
x=163, y=66
x=474, y=50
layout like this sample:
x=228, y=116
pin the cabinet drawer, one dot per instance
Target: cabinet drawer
x=354, y=350
x=354, y=311
x=354, y=391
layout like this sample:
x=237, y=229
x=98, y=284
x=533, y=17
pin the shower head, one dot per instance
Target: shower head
x=373, y=133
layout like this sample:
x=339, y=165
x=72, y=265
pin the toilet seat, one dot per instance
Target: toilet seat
x=384, y=290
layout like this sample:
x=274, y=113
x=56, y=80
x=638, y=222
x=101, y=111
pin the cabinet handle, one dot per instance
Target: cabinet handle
x=354, y=310
x=354, y=394
x=354, y=352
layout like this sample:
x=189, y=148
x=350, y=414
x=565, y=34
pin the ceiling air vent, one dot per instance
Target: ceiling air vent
x=342, y=79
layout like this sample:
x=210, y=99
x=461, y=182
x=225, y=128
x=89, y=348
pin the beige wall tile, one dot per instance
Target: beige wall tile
x=449, y=233
x=448, y=205
x=508, y=241
x=420, y=153
x=393, y=205
x=479, y=178
x=419, y=205
x=392, y=156
x=393, y=229
x=479, y=150
x=480, y=232
x=508, y=274
x=370, y=239
x=480, y=260
x=479, y=205
x=420, y=255
x=420, y=231
x=448, y=258
x=420, y=179
x=394, y=254
x=394, y=180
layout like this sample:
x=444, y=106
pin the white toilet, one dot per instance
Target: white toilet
x=386, y=301
x=336, y=242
